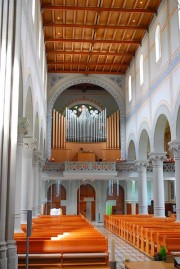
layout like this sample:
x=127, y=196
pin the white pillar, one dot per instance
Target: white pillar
x=36, y=158
x=11, y=15
x=175, y=147
x=22, y=131
x=158, y=183
x=40, y=196
x=29, y=145
x=3, y=180
x=142, y=187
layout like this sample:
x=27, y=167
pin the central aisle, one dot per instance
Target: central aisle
x=122, y=249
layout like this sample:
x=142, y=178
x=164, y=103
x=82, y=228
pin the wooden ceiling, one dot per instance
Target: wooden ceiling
x=94, y=36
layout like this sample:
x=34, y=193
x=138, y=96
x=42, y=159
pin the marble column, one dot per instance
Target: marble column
x=175, y=147
x=10, y=21
x=40, y=195
x=3, y=180
x=158, y=183
x=36, y=158
x=22, y=131
x=29, y=145
x=142, y=186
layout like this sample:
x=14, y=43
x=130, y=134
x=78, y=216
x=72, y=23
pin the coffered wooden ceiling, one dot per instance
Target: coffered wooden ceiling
x=94, y=36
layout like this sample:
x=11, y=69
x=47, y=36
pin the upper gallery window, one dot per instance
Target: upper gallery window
x=130, y=88
x=157, y=43
x=141, y=70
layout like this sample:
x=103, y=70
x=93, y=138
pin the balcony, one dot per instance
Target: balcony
x=101, y=170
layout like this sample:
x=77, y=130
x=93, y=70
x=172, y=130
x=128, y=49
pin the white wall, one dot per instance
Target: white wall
x=32, y=64
x=161, y=85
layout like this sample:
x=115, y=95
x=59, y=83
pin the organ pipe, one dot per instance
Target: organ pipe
x=113, y=132
x=118, y=130
x=58, y=130
x=85, y=128
x=53, y=128
x=57, y=116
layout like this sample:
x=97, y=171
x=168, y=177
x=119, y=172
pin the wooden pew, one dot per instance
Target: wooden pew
x=75, y=241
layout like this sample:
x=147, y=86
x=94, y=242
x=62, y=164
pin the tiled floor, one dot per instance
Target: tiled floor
x=122, y=249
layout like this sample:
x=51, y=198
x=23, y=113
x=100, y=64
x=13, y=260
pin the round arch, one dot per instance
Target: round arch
x=131, y=151
x=162, y=125
x=107, y=84
x=86, y=201
x=85, y=101
x=176, y=120
x=36, y=128
x=143, y=142
x=29, y=111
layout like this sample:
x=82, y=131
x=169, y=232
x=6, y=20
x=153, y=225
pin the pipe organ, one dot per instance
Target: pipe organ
x=113, y=131
x=85, y=128
x=58, y=130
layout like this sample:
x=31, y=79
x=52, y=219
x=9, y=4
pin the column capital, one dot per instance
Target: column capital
x=37, y=155
x=174, y=146
x=141, y=166
x=157, y=158
x=23, y=126
x=29, y=145
x=42, y=163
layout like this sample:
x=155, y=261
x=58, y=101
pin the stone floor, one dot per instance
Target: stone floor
x=122, y=249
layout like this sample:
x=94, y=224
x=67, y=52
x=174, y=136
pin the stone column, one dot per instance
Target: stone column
x=175, y=147
x=36, y=158
x=3, y=180
x=158, y=183
x=41, y=165
x=142, y=187
x=29, y=145
x=22, y=131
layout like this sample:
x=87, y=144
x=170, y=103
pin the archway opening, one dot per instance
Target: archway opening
x=55, y=194
x=115, y=199
x=86, y=198
x=131, y=151
x=85, y=125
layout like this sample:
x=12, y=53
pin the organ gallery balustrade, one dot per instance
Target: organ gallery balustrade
x=124, y=167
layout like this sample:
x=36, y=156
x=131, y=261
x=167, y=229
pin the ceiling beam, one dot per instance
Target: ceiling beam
x=99, y=9
x=93, y=41
x=86, y=72
x=88, y=64
x=93, y=53
x=95, y=27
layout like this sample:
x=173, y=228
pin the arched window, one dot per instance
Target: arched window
x=33, y=10
x=130, y=89
x=157, y=43
x=141, y=70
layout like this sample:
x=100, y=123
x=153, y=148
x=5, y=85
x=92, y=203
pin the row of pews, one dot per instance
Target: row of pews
x=146, y=232
x=63, y=241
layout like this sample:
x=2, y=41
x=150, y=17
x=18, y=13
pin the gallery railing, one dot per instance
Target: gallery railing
x=124, y=167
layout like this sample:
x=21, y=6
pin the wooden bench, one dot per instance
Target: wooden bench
x=80, y=251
